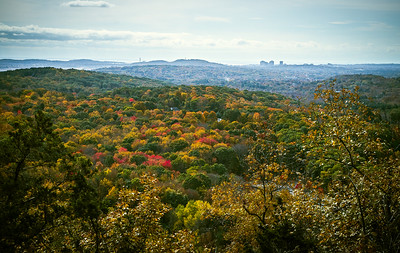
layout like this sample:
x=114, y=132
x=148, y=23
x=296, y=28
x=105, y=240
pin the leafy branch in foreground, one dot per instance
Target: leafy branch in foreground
x=360, y=165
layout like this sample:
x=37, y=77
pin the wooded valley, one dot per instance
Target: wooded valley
x=95, y=162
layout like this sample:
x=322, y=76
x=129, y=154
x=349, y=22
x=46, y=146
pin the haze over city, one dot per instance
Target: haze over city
x=229, y=32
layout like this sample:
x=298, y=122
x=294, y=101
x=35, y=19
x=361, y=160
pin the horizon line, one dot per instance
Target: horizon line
x=195, y=59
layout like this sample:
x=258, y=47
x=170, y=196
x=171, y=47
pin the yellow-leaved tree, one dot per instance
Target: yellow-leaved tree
x=358, y=158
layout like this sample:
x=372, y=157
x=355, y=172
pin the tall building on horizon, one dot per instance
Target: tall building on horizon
x=265, y=63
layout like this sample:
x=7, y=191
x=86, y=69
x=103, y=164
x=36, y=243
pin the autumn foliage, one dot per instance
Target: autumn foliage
x=98, y=163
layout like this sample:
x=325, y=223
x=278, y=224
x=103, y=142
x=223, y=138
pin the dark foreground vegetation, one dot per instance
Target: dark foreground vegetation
x=94, y=162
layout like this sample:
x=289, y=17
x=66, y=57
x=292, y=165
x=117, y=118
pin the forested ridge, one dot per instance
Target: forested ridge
x=94, y=162
x=72, y=80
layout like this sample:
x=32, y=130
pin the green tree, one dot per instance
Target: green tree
x=178, y=145
x=29, y=182
x=229, y=158
x=232, y=115
x=196, y=181
x=190, y=215
x=174, y=197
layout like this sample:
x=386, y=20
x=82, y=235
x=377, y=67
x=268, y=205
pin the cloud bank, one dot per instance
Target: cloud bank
x=102, y=4
x=21, y=34
x=100, y=41
x=30, y=33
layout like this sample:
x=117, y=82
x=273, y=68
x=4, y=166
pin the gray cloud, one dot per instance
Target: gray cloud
x=35, y=34
x=78, y=3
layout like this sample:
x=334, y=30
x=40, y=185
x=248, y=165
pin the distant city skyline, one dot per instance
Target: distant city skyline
x=229, y=32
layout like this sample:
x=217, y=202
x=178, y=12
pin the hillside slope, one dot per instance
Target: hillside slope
x=70, y=80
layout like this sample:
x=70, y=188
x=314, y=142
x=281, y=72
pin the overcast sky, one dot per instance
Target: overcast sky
x=224, y=31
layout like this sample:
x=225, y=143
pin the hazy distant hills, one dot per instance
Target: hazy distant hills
x=193, y=70
x=9, y=64
x=289, y=80
x=179, y=62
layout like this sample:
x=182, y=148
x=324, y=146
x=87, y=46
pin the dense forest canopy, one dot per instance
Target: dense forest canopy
x=69, y=80
x=111, y=163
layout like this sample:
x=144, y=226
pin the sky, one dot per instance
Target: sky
x=225, y=31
